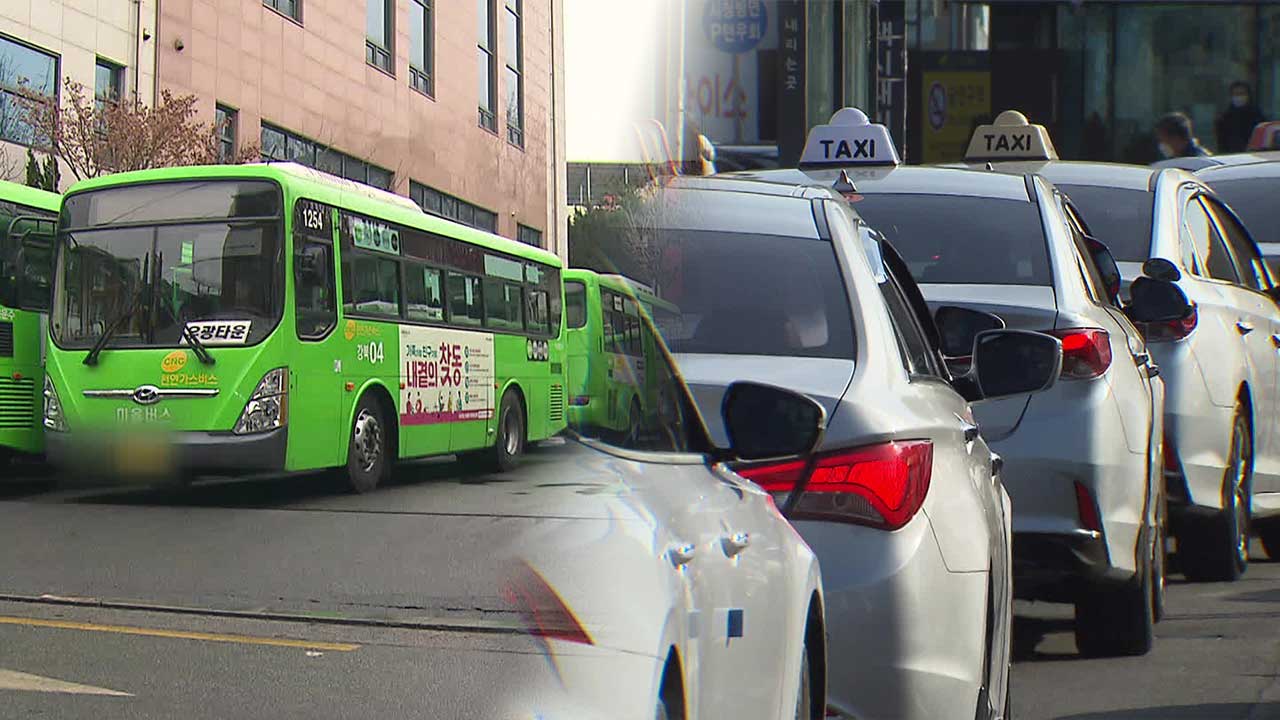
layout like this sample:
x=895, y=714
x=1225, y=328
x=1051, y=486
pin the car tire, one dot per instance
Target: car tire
x=1269, y=534
x=635, y=420
x=1159, y=556
x=368, y=461
x=804, y=693
x=1216, y=549
x=1112, y=622
x=509, y=441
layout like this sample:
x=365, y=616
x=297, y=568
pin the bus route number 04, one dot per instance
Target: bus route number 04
x=370, y=352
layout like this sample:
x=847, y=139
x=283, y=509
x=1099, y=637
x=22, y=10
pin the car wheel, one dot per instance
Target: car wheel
x=1117, y=621
x=1159, y=554
x=804, y=698
x=1269, y=533
x=510, y=440
x=635, y=422
x=1217, y=549
x=367, y=455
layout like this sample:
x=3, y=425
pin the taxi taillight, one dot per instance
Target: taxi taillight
x=882, y=486
x=1086, y=352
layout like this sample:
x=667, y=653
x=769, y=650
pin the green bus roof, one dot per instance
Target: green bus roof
x=620, y=283
x=301, y=181
x=29, y=196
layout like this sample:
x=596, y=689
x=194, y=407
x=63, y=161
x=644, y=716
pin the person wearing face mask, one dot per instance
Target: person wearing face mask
x=1236, y=123
x=1177, y=138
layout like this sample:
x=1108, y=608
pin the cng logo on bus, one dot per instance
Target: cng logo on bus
x=370, y=352
x=349, y=330
x=7, y=314
x=174, y=361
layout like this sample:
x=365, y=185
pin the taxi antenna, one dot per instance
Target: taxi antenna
x=843, y=184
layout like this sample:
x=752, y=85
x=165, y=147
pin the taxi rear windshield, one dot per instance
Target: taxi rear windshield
x=952, y=239
x=1254, y=200
x=1121, y=219
x=740, y=294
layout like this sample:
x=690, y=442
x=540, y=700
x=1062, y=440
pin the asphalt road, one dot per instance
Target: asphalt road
x=192, y=633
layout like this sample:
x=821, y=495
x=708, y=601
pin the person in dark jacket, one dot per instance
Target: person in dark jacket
x=1236, y=123
x=1177, y=138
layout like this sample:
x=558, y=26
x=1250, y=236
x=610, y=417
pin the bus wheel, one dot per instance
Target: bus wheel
x=508, y=446
x=367, y=461
x=635, y=425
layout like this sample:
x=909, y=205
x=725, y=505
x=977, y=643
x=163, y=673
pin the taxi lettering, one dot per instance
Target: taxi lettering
x=1008, y=143
x=865, y=148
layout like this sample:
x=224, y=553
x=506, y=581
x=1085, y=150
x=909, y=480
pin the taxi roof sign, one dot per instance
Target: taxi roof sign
x=1010, y=137
x=849, y=139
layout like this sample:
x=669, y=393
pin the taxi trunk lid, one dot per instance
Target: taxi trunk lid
x=1022, y=307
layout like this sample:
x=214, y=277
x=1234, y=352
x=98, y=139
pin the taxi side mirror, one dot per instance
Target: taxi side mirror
x=1014, y=362
x=1156, y=301
x=1108, y=270
x=1159, y=268
x=764, y=421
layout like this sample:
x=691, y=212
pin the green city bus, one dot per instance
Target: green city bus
x=270, y=317
x=26, y=223
x=611, y=380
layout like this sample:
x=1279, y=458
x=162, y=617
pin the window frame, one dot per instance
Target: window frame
x=1223, y=218
x=115, y=75
x=299, y=239
x=1202, y=270
x=515, y=134
x=892, y=293
x=274, y=6
x=316, y=150
x=227, y=130
x=524, y=232
x=375, y=55
x=488, y=116
x=422, y=78
x=17, y=91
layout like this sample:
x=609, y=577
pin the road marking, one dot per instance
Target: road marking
x=14, y=680
x=178, y=634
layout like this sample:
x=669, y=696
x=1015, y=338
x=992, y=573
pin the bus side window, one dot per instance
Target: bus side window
x=313, y=287
x=575, y=304
x=536, y=317
x=423, y=293
x=465, y=305
x=504, y=305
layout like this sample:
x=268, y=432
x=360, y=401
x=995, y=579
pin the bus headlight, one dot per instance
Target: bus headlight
x=268, y=407
x=53, y=418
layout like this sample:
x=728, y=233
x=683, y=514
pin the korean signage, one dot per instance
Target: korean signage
x=371, y=235
x=792, y=121
x=953, y=103
x=891, y=70
x=445, y=375
x=735, y=26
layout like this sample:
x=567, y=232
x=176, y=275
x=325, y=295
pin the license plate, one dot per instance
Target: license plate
x=141, y=456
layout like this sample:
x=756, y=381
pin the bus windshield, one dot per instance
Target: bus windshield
x=219, y=269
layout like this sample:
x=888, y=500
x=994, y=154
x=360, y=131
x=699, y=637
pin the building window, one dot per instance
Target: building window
x=422, y=46
x=444, y=205
x=24, y=73
x=291, y=9
x=529, y=236
x=283, y=146
x=378, y=34
x=224, y=120
x=108, y=83
x=487, y=68
x=513, y=76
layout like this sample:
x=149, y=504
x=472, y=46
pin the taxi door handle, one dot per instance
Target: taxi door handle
x=735, y=543
x=681, y=554
x=971, y=431
x=1244, y=327
x=1141, y=358
x=997, y=466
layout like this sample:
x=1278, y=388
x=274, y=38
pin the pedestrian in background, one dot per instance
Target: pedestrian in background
x=1236, y=123
x=1176, y=137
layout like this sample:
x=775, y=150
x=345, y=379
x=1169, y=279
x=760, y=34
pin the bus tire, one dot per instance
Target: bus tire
x=367, y=446
x=511, y=434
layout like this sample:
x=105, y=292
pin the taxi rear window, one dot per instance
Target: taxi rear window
x=1254, y=200
x=744, y=294
x=955, y=239
x=1121, y=219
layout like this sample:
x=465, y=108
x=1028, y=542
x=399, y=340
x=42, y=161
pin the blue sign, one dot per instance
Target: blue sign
x=735, y=26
